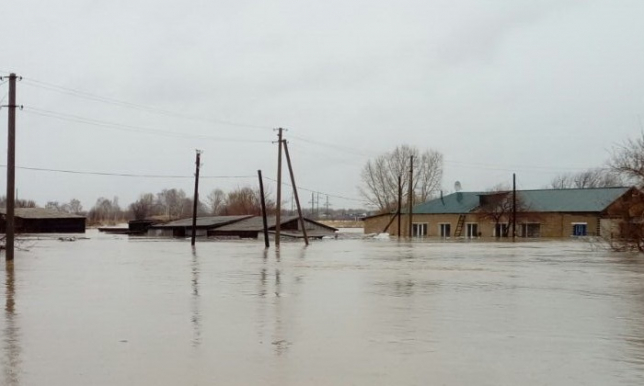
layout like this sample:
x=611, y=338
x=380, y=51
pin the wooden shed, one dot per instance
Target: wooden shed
x=39, y=220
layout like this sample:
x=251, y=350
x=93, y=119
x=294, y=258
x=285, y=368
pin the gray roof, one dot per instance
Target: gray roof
x=39, y=213
x=202, y=222
x=257, y=224
x=542, y=200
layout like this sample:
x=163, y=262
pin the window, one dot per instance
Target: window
x=501, y=230
x=579, y=229
x=444, y=230
x=531, y=230
x=471, y=230
x=419, y=229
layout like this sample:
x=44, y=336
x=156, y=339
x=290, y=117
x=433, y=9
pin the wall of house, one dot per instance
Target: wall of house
x=551, y=224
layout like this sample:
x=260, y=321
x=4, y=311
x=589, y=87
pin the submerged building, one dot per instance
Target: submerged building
x=540, y=213
x=39, y=220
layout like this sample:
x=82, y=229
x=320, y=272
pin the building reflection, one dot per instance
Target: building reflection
x=11, y=333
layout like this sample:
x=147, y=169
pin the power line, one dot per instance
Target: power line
x=317, y=191
x=127, y=174
x=130, y=128
x=130, y=105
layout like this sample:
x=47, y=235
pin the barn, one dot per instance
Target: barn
x=253, y=227
x=39, y=220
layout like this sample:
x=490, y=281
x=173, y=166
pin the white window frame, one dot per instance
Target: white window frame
x=467, y=230
x=420, y=225
x=524, y=228
x=441, y=228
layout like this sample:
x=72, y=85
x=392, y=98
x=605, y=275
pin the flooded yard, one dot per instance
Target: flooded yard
x=113, y=310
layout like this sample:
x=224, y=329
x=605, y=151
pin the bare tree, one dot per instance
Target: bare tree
x=497, y=206
x=173, y=203
x=143, y=207
x=216, y=200
x=380, y=176
x=246, y=200
x=591, y=178
x=106, y=211
x=628, y=160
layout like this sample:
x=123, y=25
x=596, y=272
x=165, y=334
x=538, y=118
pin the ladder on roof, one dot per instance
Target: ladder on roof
x=459, y=226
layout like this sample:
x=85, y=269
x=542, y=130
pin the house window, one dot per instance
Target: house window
x=419, y=229
x=531, y=230
x=501, y=230
x=579, y=228
x=444, y=230
x=471, y=230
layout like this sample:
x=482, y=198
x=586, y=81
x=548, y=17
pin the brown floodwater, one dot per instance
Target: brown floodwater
x=113, y=310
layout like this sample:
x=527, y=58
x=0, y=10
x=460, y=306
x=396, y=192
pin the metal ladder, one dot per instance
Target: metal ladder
x=459, y=226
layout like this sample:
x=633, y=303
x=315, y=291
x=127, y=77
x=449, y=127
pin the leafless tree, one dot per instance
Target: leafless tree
x=143, y=207
x=246, y=200
x=380, y=176
x=216, y=200
x=497, y=206
x=173, y=203
x=628, y=160
x=106, y=211
x=591, y=178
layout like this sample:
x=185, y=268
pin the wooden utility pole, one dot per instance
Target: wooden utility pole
x=278, y=216
x=399, y=202
x=263, y=201
x=195, y=201
x=514, y=206
x=297, y=199
x=410, y=198
x=11, y=169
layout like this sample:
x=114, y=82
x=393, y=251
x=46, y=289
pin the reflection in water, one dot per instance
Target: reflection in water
x=11, y=331
x=196, y=315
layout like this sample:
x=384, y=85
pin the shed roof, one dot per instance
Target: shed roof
x=257, y=224
x=540, y=200
x=202, y=222
x=39, y=213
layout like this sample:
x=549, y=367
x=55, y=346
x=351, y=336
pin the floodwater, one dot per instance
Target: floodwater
x=113, y=310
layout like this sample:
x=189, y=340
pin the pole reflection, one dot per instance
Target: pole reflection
x=196, y=301
x=11, y=331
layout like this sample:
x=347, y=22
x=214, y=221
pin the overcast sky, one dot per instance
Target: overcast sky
x=533, y=87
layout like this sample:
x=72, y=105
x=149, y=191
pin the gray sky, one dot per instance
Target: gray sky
x=532, y=87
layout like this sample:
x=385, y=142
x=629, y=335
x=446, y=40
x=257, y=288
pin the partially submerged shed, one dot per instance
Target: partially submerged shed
x=40, y=220
x=252, y=228
x=183, y=227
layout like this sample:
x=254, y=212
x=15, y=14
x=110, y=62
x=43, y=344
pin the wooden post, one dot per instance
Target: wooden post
x=263, y=201
x=278, y=214
x=196, y=199
x=410, y=198
x=11, y=169
x=297, y=199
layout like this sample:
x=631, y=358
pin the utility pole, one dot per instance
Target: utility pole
x=514, y=206
x=327, y=206
x=297, y=199
x=263, y=201
x=278, y=217
x=11, y=169
x=195, y=201
x=410, y=198
x=312, y=205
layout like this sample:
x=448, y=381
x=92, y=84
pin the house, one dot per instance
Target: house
x=239, y=227
x=39, y=220
x=253, y=227
x=183, y=227
x=540, y=213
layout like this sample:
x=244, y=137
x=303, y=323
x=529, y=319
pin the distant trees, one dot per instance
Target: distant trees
x=21, y=203
x=379, y=176
x=143, y=207
x=73, y=206
x=591, y=178
x=240, y=201
x=106, y=211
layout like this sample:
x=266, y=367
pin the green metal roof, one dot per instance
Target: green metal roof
x=543, y=200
